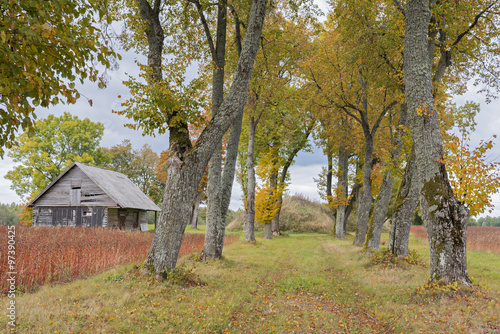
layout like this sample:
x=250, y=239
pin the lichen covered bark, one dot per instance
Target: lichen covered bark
x=186, y=165
x=404, y=209
x=444, y=217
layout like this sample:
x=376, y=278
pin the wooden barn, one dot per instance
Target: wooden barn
x=90, y=196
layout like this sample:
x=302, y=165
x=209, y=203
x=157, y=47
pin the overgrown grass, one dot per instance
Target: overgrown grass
x=52, y=255
x=303, y=283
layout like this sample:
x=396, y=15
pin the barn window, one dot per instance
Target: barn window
x=87, y=213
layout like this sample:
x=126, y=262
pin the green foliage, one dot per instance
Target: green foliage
x=55, y=144
x=140, y=166
x=472, y=222
x=45, y=46
x=9, y=214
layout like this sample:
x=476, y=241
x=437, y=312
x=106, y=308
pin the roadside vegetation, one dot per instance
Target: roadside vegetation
x=46, y=255
x=302, y=283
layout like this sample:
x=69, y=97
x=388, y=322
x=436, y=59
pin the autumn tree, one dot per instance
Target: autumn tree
x=473, y=178
x=139, y=166
x=275, y=98
x=186, y=162
x=46, y=46
x=354, y=81
x=55, y=144
x=457, y=44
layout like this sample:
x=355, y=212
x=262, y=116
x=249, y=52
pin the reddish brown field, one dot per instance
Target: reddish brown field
x=478, y=238
x=44, y=254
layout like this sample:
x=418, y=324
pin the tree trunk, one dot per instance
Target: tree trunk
x=249, y=223
x=342, y=185
x=268, y=234
x=275, y=223
x=215, y=220
x=273, y=187
x=404, y=209
x=186, y=166
x=353, y=197
x=384, y=197
x=444, y=217
x=365, y=200
x=229, y=173
x=329, y=177
x=196, y=210
x=379, y=212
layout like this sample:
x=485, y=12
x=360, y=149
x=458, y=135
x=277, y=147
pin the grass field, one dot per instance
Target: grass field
x=303, y=283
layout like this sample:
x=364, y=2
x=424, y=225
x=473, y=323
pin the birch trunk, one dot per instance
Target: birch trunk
x=186, y=164
x=444, y=217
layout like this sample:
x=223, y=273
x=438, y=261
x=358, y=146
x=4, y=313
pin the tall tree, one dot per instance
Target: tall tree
x=276, y=101
x=45, y=46
x=458, y=55
x=56, y=143
x=352, y=80
x=187, y=162
x=445, y=218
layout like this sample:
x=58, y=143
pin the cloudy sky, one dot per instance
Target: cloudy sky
x=307, y=166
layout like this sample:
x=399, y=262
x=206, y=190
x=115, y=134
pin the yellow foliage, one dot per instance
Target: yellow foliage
x=26, y=214
x=473, y=179
x=268, y=194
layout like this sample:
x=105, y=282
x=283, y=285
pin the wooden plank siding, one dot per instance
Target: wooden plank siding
x=70, y=216
x=60, y=193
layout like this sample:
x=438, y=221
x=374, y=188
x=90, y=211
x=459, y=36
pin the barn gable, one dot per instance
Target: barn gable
x=82, y=184
x=73, y=188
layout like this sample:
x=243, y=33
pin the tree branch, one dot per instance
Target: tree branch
x=205, y=28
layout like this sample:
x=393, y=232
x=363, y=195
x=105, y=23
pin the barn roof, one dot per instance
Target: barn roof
x=116, y=185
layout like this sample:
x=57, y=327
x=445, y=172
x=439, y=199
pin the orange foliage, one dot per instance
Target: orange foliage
x=478, y=237
x=52, y=254
x=26, y=214
x=473, y=179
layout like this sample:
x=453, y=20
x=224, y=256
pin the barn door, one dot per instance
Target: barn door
x=75, y=196
x=122, y=217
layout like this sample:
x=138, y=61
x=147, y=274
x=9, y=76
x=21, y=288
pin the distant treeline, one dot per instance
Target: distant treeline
x=485, y=221
x=9, y=214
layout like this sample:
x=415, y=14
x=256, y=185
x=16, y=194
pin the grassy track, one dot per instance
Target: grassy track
x=305, y=283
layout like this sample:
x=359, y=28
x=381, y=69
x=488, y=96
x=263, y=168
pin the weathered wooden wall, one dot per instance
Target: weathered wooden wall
x=70, y=216
x=65, y=192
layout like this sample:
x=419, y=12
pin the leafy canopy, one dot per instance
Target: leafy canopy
x=45, y=46
x=141, y=166
x=56, y=143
